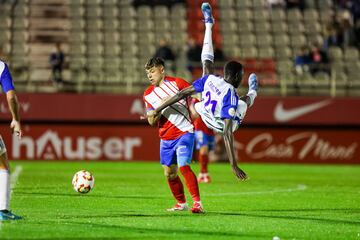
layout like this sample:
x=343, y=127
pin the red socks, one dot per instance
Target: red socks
x=204, y=160
x=191, y=182
x=177, y=189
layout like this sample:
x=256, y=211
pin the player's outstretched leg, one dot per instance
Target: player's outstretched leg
x=207, y=53
x=207, y=12
x=207, y=59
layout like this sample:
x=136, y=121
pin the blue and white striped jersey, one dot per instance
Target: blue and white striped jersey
x=219, y=101
x=5, y=78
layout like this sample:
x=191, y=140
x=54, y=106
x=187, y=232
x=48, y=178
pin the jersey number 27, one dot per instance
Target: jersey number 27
x=210, y=102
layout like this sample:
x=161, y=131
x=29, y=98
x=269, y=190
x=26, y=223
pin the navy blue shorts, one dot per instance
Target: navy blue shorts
x=203, y=139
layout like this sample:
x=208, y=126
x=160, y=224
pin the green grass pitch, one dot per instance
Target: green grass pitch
x=129, y=201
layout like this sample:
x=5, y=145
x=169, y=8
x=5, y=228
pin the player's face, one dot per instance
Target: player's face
x=155, y=75
x=238, y=79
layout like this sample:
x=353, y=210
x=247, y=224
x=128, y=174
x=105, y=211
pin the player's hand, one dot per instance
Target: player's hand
x=16, y=128
x=153, y=117
x=145, y=116
x=151, y=113
x=240, y=174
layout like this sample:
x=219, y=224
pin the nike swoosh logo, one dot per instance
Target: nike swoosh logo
x=286, y=115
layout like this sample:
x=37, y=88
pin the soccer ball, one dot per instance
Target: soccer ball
x=83, y=181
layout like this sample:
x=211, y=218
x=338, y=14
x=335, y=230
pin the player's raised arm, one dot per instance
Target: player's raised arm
x=178, y=96
x=229, y=145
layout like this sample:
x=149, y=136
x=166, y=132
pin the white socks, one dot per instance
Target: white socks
x=4, y=189
x=207, y=52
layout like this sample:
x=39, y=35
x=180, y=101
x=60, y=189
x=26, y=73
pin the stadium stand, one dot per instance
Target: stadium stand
x=276, y=34
x=106, y=42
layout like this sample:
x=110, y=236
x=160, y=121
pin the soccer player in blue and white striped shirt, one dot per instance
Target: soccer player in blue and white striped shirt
x=221, y=109
x=7, y=86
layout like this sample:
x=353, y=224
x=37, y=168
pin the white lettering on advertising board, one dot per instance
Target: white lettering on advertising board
x=263, y=146
x=50, y=146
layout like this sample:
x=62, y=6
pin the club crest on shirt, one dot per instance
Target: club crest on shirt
x=231, y=112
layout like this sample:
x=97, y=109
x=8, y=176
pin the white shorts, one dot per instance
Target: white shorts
x=218, y=124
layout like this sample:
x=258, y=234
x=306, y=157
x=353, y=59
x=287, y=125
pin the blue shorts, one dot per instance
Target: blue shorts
x=178, y=151
x=203, y=139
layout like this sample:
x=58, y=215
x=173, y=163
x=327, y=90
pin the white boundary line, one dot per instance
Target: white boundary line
x=300, y=187
x=13, y=179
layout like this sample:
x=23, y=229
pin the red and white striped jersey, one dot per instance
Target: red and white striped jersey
x=175, y=119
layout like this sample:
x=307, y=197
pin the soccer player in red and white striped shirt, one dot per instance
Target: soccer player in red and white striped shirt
x=176, y=132
x=204, y=143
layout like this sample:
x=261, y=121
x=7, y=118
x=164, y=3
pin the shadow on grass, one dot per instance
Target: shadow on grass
x=152, y=233
x=325, y=220
x=90, y=195
x=113, y=214
x=347, y=210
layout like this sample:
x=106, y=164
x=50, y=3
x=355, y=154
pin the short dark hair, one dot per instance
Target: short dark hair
x=233, y=73
x=154, y=62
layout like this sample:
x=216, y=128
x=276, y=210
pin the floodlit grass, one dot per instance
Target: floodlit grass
x=130, y=198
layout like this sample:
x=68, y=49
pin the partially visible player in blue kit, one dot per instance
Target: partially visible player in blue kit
x=7, y=86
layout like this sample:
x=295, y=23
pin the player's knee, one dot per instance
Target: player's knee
x=208, y=67
x=204, y=150
x=3, y=156
x=4, y=161
x=170, y=175
x=2, y=147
